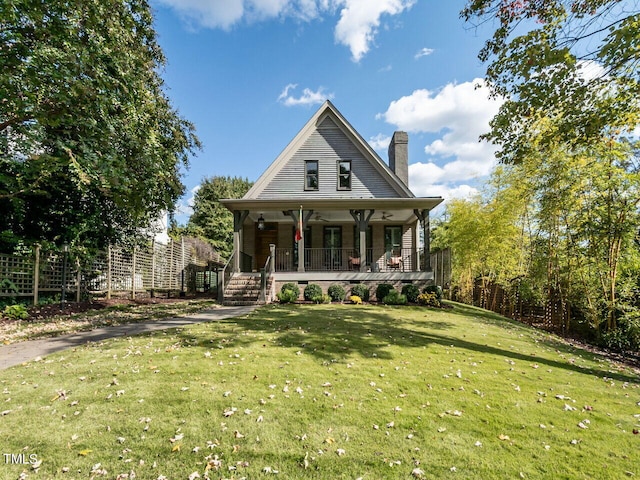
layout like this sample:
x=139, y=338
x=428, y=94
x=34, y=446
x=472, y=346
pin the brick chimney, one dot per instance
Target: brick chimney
x=399, y=156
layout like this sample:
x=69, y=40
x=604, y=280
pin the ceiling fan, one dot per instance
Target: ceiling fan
x=386, y=216
x=320, y=219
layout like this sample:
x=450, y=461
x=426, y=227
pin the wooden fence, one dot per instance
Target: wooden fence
x=185, y=265
x=553, y=315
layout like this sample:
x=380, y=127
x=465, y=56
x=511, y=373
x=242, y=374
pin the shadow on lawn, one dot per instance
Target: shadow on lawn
x=335, y=334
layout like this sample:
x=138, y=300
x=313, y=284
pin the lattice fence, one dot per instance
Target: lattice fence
x=185, y=265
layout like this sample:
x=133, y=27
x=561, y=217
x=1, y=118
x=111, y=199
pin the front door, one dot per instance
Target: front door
x=264, y=238
x=332, y=244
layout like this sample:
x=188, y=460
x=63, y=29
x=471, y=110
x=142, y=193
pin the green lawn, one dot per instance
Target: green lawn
x=325, y=392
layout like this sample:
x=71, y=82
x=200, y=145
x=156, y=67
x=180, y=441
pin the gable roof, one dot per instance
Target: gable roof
x=327, y=117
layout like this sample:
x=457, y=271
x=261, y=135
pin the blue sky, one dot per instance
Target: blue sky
x=250, y=73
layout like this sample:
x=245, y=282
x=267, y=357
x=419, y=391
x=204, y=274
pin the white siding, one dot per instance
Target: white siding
x=328, y=144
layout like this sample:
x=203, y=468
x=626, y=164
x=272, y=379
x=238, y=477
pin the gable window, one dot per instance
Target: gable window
x=311, y=175
x=344, y=175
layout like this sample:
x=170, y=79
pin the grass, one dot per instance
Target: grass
x=20, y=330
x=326, y=391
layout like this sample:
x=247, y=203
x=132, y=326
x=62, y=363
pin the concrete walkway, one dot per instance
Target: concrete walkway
x=18, y=353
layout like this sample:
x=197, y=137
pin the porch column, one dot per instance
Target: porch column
x=306, y=215
x=362, y=222
x=239, y=216
x=423, y=216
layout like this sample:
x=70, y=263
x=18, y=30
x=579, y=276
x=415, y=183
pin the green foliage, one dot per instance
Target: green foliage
x=411, y=292
x=15, y=312
x=559, y=226
x=323, y=298
x=7, y=285
x=312, y=290
x=434, y=289
x=394, y=297
x=361, y=290
x=293, y=287
x=573, y=62
x=210, y=218
x=337, y=293
x=625, y=338
x=287, y=296
x=289, y=293
x=90, y=146
x=382, y=290
x=429, y=299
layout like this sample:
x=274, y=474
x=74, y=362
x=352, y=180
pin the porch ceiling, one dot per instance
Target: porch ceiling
x=387, y=210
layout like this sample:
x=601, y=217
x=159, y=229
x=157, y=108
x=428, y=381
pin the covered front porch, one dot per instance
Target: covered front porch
x=348, y=236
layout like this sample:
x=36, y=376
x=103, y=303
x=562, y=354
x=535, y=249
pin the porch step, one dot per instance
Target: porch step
x=243, y=290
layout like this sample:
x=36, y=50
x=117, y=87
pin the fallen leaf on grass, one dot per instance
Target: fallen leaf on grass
x=417, y=472
x=229, y=411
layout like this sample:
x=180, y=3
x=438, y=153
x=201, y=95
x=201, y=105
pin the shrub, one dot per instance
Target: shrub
x=625, y=338
x=355, y=299
x=435, y=289
x=292, y=287
x=337, y=293
x=411, y=291
x=428, y=300
x=324, y=298
x=362, y=291
x=394, y=297
x=287, y=296
x=15, y=312
x=312, y=290
x=383, y=290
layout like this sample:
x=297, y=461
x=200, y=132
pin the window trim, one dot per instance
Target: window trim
x=340, y=175
x=307, y=187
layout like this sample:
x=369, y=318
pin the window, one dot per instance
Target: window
x=344, y=175
x=311, y=175
x=393, y=240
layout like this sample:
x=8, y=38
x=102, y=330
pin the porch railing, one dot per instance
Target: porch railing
x=347, y=259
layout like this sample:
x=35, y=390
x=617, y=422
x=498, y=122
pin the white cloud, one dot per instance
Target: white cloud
x=209, y=13
x=380, y=143
x=308, y=97
x=458, y=114
x=359, y=22
x=423, y=53
x=184, y=207
x=356, y=28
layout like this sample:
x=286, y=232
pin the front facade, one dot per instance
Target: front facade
x=330, y=196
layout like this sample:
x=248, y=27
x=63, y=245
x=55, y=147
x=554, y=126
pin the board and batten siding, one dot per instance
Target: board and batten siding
x=328, y=144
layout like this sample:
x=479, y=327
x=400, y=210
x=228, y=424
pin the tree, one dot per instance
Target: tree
x=485, y=240
x=90, y=146
x=575, y=62
x=210, y=217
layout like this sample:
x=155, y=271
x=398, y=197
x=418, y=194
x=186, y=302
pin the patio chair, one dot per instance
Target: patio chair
x=394, y=262
x=354, y=261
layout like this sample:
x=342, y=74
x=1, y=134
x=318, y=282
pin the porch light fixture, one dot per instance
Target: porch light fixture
x=261, y=223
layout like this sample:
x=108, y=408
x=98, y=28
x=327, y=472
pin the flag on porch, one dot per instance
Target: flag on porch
x=299, y=227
